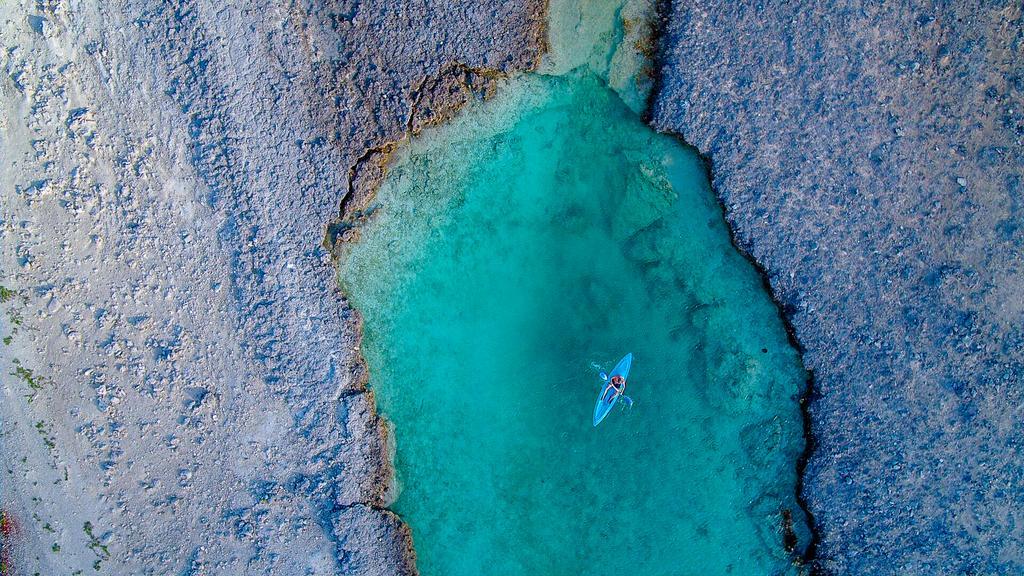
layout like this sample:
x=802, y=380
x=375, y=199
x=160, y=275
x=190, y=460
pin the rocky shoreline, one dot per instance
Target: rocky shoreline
x=194, y=371
x=868, y=157
x=803, y=546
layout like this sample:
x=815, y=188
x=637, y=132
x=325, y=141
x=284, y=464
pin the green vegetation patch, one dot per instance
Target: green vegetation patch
x=6, y=294
x=95, y=545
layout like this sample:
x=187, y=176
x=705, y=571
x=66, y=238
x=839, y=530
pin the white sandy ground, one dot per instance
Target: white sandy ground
x=166, y=181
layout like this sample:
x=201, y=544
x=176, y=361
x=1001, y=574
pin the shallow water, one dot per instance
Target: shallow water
x=539, y=235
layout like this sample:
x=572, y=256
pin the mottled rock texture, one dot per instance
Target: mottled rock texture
x=182, y=376
x=869, y=156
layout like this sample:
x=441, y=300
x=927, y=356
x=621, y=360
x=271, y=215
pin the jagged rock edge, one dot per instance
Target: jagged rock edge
x=352, y=214
x=807, y=558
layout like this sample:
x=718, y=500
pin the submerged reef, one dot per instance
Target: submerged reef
x=869, y=156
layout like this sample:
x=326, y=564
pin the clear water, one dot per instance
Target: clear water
x=514, y=251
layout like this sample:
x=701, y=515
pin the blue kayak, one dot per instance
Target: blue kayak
x=606, y=401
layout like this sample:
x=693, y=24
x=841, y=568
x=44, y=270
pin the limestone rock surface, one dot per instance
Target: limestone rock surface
x=869, y=156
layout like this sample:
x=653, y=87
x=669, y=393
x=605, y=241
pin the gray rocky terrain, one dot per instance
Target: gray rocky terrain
x=182, y=388
x=182, y=391
x=869, y=156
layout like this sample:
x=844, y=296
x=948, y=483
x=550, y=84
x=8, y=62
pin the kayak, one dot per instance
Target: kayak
x=606, y=401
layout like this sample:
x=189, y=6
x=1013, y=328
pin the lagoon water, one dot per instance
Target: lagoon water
x=513, y=253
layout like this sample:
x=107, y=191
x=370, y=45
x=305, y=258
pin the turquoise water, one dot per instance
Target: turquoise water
x=512, y=253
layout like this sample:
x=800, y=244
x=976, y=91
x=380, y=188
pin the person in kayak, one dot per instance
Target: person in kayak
x=618, y=383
